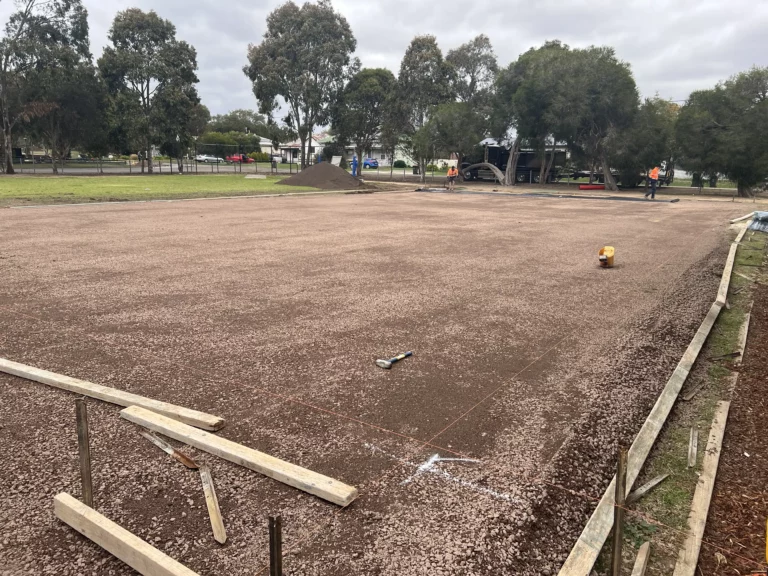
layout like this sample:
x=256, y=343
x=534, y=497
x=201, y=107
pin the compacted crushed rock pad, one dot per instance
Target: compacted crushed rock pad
x=324, y=176
x=272, y=313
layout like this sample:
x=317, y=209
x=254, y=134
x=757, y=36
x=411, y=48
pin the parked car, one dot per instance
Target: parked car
x=208, y=159
x=237, y=158
x=370, y=163
x=276, y=158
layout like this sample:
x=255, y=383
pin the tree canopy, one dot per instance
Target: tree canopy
x=239, y=120
x=423, y=84
x=305, y=58
x=648, y=142
x=147, y=68
x=142, y=96
x=722, y=130
x=474, y=69
x=40, y=35
x=359, y=112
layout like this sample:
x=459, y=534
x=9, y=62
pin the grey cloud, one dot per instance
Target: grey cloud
x=673, y=46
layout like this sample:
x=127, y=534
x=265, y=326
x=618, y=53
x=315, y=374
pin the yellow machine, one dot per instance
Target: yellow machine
x=606, y=256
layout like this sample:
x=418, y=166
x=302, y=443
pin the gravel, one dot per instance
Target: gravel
x=271, y=312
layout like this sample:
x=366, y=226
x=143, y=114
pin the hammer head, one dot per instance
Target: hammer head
x=386, y=364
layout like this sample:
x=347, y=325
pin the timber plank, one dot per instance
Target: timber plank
x=285, y=472
x=132, y=550
x=112, y=395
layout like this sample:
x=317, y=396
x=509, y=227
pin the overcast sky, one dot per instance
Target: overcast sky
x=674, y=47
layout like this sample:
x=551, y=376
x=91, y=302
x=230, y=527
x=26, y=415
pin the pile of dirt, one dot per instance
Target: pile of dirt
x=325, y=176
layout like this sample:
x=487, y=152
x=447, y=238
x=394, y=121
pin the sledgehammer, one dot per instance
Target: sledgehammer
x=387, y=364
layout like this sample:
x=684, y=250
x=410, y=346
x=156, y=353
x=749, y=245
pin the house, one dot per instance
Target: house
x=292, y=150
x=266, y=145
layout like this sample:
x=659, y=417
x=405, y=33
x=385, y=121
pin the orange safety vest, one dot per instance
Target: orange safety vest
x=452, y=171
x=655, y=173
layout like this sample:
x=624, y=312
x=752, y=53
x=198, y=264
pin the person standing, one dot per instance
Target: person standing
x=453, y=173
x=354, y=165
x=653, y=176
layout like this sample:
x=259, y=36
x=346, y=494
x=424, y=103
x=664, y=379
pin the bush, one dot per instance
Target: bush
x=259, y=156
x=400, y=164
x=433, y=167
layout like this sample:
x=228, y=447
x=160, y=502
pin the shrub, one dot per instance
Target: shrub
x=259, y=156
x=400, y=164
x=432, y=167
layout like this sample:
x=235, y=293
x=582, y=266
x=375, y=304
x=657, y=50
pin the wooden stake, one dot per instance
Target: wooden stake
x=618, y=511
x=641, y=562
x=645, y=488
x=693, y=392
x=275, y=546
x=84, y=445
x=217, y=524
x=688, y=557
x=693, y=447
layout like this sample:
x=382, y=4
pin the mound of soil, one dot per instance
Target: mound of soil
x=325, y=176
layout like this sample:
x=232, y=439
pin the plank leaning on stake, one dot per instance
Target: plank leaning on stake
x=119, y=397
x=116, y=540
x=285, y=472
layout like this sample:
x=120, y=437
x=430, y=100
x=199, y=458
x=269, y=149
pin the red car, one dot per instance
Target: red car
x=240, y=158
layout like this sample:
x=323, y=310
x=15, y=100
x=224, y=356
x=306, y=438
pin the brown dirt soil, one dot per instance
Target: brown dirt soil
x=739, y=508
x=324, y=176
x=270, y=313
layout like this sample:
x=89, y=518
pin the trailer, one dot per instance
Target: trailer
x=528, y=164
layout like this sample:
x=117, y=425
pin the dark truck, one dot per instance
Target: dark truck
x=528, y=164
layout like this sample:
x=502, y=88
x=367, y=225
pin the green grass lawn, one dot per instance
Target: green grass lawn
x=27, y=190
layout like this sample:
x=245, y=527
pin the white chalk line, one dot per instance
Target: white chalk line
x=429, y=467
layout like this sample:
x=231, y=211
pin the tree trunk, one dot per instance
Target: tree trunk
x=592, y=173
x=543, y=168
x=423, y=170
x=459, y=162
x=8, y=147
x=744, y=191
x=713, y=181
x=696, y=180
x=549, y=166
x=180, y=165
x=303, y=142
x=610, y=183
x=359, y=152
x=150, y=168
x=510, y=174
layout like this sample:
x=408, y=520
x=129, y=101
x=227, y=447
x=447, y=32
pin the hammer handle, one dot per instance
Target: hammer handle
x=401, y=356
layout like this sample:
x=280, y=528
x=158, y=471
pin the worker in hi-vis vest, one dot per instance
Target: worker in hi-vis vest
x=653, y=176
x=453, y=173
